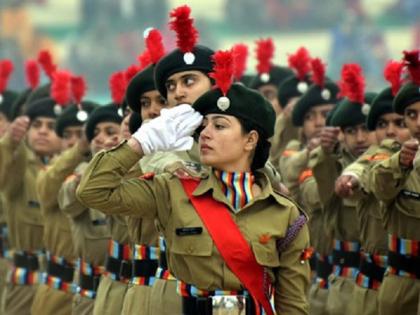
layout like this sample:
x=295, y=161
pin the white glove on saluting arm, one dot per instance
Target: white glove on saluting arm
x=171, y=131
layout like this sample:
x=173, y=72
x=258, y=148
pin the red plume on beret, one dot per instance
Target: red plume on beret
x=318, y=72
x=6, y=69
x=144, y=59
x=353, y=83
x=117, y=86
x=265, y=53
x=412, y=61
x=240, y=55
x=392, y=73
x=32, y=73
x=300, y=63
x=130, y=72
x=78, y=88
x=46, y=61
x=223, y=70
x=60, y=87
x=154, y=44
x=183, y=25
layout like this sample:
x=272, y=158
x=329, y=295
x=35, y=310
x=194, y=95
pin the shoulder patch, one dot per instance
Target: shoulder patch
x=187, y=169
x=70, y=178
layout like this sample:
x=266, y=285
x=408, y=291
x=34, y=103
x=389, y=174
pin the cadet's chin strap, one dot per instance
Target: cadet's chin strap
x=231, y=244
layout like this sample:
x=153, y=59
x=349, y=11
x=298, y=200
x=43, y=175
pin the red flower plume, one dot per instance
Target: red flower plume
x=144, y=59
x=117, y=85
x=353, y=83
x=6, y=69
x=265, y=53
x=300, y=62
x=392, y=73
x=32, y=73
x=412, y=60
x=223, y=70
x=46, y=61
x=78, y=88
x=240, y=55
x=318, y=72
x=182, y=24
x=60, y=87
x=130, y=72
x=154, y=44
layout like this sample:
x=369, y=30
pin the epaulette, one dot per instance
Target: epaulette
x=391, y=145
x=187, y=169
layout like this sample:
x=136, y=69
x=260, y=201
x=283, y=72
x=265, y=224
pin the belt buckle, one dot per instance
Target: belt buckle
x=228, y=304
x=125, y=269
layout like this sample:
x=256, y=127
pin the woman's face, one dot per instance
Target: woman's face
x=106, y=136
x=224, y=145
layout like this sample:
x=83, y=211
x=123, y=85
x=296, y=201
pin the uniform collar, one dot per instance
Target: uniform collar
x=211, y=184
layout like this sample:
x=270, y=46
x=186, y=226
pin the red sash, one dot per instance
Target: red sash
x=231, y=244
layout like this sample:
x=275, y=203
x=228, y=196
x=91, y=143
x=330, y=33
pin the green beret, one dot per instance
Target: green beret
x=18, y=107
x=315, y=96
x=292, y=87
x=407, y=95
x=276, y=76
x=7, y=99
x=174, y=62
x=107, y=113
x=244, y=103
x=69, y=116
x=350, y=113
x=141, y=83
x=40, y=92
x=246, y=79
x=43, y=107
x=134, y=122
x=381, y=105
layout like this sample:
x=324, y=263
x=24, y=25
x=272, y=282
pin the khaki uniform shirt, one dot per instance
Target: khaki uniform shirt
x=194, y=259
x=19, y=168
x=340, y=214
x=399, y=189
x=90, y=228
x=369, y=209
x=284, y=132
x=57, y=231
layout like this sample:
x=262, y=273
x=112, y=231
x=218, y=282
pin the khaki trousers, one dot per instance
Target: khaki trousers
x=48, y=301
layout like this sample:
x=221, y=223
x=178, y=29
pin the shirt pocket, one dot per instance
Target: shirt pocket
x=31, y=213
x=96, y=226
x=192, y=245
x=266, y=254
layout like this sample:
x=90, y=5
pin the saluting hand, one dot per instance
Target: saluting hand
x=346, y=185
x=408, y=152
x=18, y=128
x=329, y=138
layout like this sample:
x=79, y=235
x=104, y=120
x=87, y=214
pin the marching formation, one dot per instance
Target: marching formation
x=204, y=190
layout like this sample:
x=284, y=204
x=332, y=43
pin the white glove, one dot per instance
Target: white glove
x=171, y=131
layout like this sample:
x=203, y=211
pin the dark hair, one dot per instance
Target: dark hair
x=262, y=150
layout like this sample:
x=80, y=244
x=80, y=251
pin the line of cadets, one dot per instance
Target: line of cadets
x=346, y=156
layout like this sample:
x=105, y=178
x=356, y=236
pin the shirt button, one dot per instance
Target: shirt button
x=190, y=249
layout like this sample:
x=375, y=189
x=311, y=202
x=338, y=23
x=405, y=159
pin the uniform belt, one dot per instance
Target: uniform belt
x=118, y=267
x=371, y=270
x=403, y=246
x=64, y=272
x=162, y=255
x=404, y=264
x=346, y=259
x=145, y=268
x=323, y=266
x=26, y=261
x=206, y=305
x=89, y=283
x=119, y=251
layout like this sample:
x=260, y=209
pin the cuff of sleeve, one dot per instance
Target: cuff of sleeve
x=125, y=155
x=394, y=164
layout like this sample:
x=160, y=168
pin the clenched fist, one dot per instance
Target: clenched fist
x=408, y=152
x=346, y=185
x=18, y=128
x=329, y=138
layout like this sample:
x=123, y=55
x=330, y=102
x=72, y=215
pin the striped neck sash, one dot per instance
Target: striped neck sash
x=237, y=187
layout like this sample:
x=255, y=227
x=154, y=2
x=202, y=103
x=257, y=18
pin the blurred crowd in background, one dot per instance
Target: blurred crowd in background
x=97, y=37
